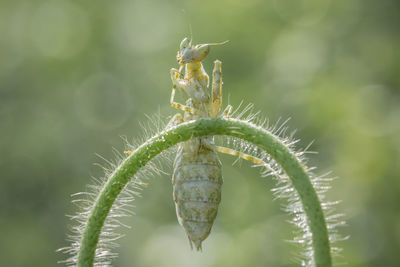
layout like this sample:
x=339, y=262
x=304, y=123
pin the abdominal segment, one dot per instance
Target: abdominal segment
x=197, y=181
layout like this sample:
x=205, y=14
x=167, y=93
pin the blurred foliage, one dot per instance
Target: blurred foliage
x=77, y=75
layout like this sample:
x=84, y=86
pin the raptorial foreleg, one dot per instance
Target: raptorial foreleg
x=180, y=84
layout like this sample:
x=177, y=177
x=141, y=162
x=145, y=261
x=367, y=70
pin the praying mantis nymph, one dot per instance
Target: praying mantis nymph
x=197, y=175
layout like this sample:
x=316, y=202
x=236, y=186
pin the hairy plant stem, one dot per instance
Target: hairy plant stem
x=185, y=131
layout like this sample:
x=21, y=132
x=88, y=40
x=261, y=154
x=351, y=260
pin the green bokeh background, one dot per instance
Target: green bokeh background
x=75, y=76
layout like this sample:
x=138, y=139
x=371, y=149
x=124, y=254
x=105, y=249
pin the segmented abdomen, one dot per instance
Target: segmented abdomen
x=197, y=181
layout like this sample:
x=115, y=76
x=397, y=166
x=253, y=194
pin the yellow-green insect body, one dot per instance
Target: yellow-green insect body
x=197, y=181
x=197, y=176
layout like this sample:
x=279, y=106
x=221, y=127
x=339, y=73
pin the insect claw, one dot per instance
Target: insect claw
x=228, y=111
x=178, y=71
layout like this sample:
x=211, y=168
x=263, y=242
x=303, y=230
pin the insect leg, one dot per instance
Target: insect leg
x=242, y=155
x=228, y=111
x=216, y=95
x=181, y=84
x=175, y=120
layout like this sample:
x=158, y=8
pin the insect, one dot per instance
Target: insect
x=197, y=175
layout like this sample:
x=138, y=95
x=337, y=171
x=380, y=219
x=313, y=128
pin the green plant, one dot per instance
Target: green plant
x=197, y=175
x=297, y=183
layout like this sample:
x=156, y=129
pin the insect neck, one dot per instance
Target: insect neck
x=195, y=70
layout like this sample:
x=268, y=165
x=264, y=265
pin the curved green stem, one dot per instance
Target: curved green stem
x=185, y=131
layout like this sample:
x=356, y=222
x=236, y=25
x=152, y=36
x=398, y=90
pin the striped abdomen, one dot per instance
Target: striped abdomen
x=197, y=181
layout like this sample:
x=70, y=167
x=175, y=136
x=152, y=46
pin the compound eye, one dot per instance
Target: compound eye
x=184, y=43
x=202, y=51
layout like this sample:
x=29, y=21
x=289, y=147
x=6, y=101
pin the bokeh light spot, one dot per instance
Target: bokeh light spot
x=102, y=102
x=302, y=12
x=295, y=57
x=135, y=31
x=59, y=29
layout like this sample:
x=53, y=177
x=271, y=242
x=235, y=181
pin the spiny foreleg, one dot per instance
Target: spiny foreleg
x=180, y=84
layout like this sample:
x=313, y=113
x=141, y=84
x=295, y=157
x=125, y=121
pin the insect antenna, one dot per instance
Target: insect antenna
x=191, y=34
x=190, y=26
x=221, y=43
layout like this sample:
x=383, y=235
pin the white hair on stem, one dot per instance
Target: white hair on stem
x=122, y=206
x=284, y=189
